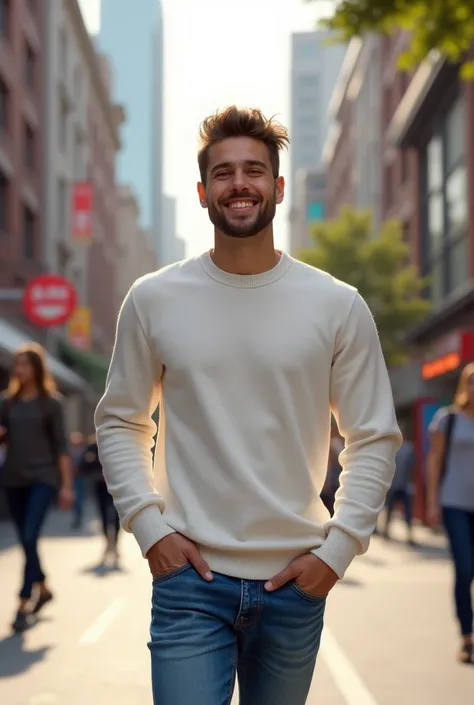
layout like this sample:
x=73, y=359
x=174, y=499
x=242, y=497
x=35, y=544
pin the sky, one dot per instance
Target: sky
x=216, y=56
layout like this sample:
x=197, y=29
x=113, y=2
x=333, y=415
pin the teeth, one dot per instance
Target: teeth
x=241, y=204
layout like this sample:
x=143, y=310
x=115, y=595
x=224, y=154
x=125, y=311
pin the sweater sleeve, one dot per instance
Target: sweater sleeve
x=125, y=429
x=362, y=403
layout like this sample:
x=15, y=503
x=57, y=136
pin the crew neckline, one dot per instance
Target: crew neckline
x=246, y=281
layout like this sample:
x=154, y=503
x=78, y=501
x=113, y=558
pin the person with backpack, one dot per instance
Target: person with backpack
x=451, y=496
x=37, y=466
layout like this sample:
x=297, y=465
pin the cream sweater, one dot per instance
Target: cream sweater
x=245, y=369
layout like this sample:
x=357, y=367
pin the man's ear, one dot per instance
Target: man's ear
x=202, y=194
x=280, y=189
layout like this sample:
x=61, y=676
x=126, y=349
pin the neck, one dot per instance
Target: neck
x=469, y=409
x=253, y=255
x=28, y=391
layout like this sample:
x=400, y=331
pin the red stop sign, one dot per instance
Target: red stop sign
x=49, y=300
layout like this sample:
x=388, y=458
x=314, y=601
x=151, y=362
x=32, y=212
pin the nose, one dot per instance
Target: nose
x=239, y=181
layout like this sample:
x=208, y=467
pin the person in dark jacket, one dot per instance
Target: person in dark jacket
x=91, y=468
x=37, y=465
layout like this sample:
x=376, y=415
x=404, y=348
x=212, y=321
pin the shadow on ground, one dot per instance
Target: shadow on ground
x=15, y=658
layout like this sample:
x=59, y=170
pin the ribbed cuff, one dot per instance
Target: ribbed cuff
x=149, y=527
x=338, y=550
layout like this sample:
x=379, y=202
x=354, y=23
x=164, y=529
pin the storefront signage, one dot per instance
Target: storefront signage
x=449, y=354
x=79, y=328
x=49, y=300
x=82, y=211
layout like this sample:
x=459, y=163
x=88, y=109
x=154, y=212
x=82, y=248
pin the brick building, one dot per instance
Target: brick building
x=21, y=158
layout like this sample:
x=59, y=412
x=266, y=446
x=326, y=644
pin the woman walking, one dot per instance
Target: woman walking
x=36, y=468
x=451, y=495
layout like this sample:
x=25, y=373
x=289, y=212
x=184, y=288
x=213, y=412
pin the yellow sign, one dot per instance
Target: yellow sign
x=79, y=328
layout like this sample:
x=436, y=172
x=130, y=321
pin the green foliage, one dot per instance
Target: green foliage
x=446, y=26
x=377, y=267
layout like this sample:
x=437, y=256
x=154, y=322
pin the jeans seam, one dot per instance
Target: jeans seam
x=173, y=573
x=232, y=679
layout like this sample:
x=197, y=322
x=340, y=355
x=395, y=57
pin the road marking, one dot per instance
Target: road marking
x=43, y=699
x=344, y=675
x=103, y=622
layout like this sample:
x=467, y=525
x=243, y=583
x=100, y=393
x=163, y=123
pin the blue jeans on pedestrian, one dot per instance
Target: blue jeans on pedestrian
x=79, y=497
x=459, y=526
x=204, y=635
x=28, y=508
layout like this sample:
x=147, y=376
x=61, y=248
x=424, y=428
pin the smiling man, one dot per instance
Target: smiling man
x=247, y=351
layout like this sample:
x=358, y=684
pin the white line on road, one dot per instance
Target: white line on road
x=346, y=678
x=103, y=622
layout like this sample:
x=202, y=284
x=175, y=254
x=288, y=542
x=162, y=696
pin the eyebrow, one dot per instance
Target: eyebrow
x=230, y=165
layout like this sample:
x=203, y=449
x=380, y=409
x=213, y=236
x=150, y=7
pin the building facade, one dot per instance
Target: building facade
x=136, y=254
x=315, y=66
x=21, y=153
x=309, y=207
x=353, y=153
x=104, y=120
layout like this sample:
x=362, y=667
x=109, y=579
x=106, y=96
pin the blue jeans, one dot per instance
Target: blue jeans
x=203, y=635
x=459, y=526
x=79, y=497
x=28, y=508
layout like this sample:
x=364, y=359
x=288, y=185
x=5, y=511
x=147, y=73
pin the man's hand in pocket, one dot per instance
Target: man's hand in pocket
x=172, y=553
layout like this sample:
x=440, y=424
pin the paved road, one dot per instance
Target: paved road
x=389, y=640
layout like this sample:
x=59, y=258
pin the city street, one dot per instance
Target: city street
x=390, y=638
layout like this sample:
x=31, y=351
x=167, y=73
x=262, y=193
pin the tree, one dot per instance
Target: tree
x=445, y=26
x=378, y=267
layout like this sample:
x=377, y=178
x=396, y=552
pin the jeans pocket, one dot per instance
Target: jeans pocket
x=171, y=574
x=318, y=599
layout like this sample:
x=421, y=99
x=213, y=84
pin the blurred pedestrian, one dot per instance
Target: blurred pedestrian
x=451, y=496
x=246, y=350
x=401, y=491
x=76, y=441
x=37, y=466
x=91, y=468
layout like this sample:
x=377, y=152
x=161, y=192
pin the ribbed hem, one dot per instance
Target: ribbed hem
x=338, y=550
x=149, y=527
x=246, y=281
x=247, y=566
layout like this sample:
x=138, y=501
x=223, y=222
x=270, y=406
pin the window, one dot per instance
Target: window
x=30, y=66
x=29, y=148
x=444, y=181
x=5, y=14
x=29, y=233
x=4, y=106
x=4, y=199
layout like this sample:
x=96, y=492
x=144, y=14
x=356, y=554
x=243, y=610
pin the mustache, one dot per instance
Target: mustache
x=240, y=196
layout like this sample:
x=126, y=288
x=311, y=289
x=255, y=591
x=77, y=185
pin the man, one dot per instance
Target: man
x=246, y=350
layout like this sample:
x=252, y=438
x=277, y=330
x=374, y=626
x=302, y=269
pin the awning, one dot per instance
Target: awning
x=11, y=338
x=89, y=365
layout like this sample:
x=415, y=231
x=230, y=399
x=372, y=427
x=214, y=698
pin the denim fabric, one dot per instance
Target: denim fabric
x=204, y=635
x=459, y=526
x=28, y=508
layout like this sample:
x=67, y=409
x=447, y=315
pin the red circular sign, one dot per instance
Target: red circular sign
x=49, y=300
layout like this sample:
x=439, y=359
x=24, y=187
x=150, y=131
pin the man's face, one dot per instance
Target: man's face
x=241, y=192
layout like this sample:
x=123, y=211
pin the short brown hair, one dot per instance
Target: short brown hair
x=241, y=122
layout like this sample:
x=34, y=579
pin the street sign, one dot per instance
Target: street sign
x=49, y=300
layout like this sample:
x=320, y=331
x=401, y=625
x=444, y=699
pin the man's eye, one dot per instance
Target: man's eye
x=254, y=172
x=222, y=174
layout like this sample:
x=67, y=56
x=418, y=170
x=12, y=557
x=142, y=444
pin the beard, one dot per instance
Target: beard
x=221, y=218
